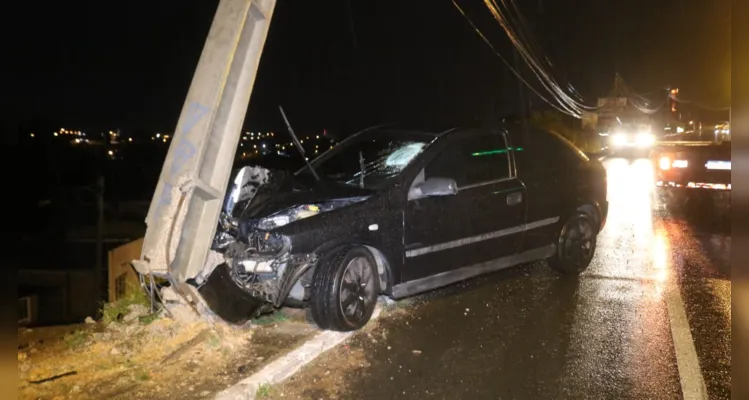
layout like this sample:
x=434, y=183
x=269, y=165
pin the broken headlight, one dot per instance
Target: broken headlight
x=296, y=213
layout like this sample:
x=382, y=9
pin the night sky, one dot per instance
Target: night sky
x=346, y=64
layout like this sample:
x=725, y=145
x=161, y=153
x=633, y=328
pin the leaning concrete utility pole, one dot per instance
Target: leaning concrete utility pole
x=184, y=211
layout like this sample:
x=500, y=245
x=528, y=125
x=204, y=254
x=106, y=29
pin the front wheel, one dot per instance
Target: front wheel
x=575, y=246
x=345, y=287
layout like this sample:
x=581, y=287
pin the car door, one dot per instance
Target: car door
x=483, y=221
x=547, y=167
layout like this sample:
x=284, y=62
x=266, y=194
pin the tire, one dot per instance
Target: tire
x=576, y=245
x=345, y=286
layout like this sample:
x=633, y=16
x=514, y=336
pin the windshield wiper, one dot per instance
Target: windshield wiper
x=298, y=145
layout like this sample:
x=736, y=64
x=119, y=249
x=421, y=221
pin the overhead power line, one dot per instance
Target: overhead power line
x=504, y=60
x=520, y=35
x=565, y=99
x=639, y=101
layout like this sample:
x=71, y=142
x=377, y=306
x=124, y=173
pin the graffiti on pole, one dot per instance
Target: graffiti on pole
x=183, y=152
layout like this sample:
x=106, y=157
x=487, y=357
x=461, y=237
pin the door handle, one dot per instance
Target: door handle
x=514, y=198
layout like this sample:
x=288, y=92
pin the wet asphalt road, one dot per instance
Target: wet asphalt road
x=613, y=333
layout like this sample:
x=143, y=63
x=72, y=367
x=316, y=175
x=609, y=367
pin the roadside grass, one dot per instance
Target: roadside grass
x=272, y=318
x=114, y=311
x=76, y=339
x=142, y=375
x=264, y=391
x=147, y=319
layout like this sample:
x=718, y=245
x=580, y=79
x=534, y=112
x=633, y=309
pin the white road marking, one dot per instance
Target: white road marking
x=286, y=366
x=690, y=375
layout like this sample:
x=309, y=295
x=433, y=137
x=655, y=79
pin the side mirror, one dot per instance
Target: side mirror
x=435, y=186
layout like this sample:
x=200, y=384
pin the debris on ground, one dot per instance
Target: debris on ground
x=131, y=353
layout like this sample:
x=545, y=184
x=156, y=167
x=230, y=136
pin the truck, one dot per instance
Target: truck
x=625, y=130
x=694, y=176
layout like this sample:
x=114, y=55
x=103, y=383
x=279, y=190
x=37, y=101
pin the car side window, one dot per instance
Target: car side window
x=475, y=158
x=541, y=150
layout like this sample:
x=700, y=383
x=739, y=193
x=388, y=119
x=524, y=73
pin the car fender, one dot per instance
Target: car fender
x=384, y=263
x=592, y=207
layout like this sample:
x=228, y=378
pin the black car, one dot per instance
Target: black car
x=399, y=212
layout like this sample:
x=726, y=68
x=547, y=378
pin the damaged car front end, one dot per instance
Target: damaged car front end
x=260, y=269
x=327, y=237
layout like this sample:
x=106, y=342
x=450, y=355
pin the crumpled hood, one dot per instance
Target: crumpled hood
x=265, y=192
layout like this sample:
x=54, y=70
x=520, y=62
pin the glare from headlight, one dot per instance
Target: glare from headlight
x=645, y=139
x=619, y=139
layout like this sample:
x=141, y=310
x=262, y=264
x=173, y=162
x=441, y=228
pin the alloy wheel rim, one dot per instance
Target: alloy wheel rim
x=357, y=286
x=578, y=242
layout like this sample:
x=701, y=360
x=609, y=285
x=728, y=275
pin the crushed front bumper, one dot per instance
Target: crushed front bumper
x=236, y=295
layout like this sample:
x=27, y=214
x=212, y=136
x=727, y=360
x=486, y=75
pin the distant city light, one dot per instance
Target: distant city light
x=129, y=139
x=158, y=135
x=111, y=153
x=55, y=133
x=32, y=135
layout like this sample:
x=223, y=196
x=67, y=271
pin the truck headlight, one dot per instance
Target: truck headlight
x=619, y=139
x=645, y=139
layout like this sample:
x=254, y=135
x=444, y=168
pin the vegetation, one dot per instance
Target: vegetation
x=76, y=339
x=114, y=311
x=142, y=375
x=264, y=391
x=271, y=318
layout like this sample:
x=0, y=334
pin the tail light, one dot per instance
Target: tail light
x=680, y=163
x=664, y=163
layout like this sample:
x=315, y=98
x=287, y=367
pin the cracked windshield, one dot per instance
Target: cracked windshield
x=366, y=200
x=370, y=160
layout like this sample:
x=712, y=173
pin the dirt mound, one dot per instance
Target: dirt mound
x=131, y=354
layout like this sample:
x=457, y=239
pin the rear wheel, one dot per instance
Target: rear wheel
x=575, y=246
x=345, y=287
